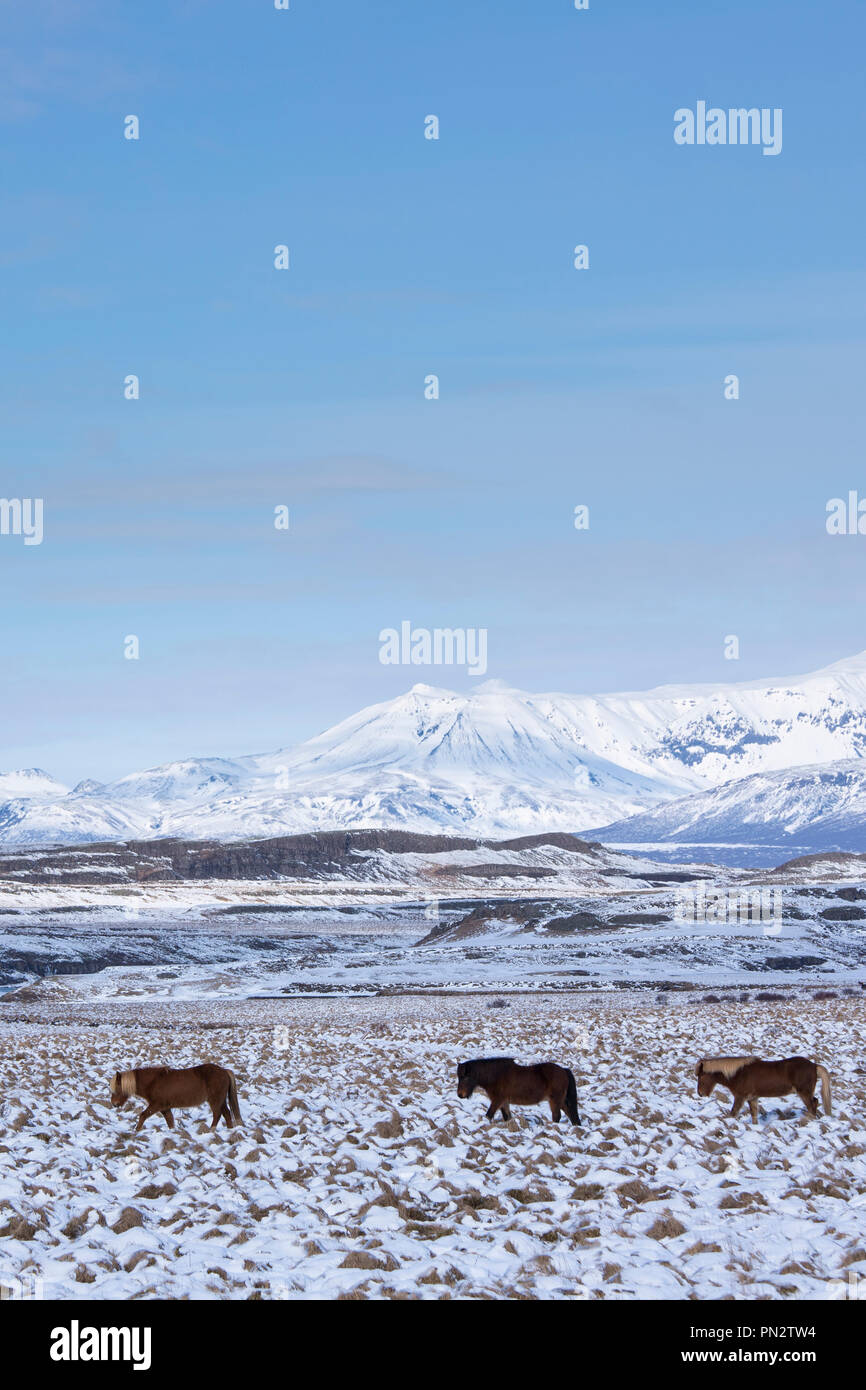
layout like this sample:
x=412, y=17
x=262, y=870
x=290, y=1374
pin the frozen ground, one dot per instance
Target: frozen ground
x=363, y=947
x=384, y=915
x=193, y=939
x=358, y=1172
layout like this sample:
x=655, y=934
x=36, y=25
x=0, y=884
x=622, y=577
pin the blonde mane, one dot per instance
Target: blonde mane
x=723, y=1066
x=127, y=1083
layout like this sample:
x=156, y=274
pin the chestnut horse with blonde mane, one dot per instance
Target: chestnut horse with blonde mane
x=748, y=1078
x=167, y=1088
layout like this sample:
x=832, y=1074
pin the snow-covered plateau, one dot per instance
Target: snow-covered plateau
x=378, y=912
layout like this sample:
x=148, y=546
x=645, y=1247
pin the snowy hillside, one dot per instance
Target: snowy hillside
x=28, y=783
x=492, y=762
x=824, y=807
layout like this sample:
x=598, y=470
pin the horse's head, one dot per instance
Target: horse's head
x=712, y=1070
x=120, y=1091
x=465, y=1084
x=706, y=1080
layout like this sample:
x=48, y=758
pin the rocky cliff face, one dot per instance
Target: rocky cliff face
x=343, y=854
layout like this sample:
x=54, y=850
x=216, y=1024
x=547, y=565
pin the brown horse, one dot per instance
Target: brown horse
x=165, y=1088
x=507, y=1083
x=747, y=1078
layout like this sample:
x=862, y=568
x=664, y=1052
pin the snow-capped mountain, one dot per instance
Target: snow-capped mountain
x=493, y=762
x=823, y=807
x=30, y=782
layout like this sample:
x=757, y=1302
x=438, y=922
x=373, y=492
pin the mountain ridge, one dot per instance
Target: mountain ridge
x=823, y=805
x=494, y=762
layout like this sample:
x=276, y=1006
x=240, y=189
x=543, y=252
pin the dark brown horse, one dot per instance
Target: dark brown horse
x=165, y=1088
x=507, y=1083
x=748, y=1078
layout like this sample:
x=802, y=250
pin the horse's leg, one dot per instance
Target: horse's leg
x=495, y=1103
x=753, y=1106
x=145, y=1115
x=562, y=1102
x=737, y=1106
x=506, y=1113
x=555, y=1112
x=169, y=1118
x=809, y=1101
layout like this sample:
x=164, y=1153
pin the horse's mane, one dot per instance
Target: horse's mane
x=723, y=1066
x=126, y=1084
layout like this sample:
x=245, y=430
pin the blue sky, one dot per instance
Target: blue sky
x=411, y=257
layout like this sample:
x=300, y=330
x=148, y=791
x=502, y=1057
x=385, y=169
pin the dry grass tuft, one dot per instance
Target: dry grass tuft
x=665, y=1228
x=128, y=1218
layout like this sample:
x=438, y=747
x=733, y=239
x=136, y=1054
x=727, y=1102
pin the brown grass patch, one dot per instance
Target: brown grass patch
x=128, y=1218
x=665, y=1228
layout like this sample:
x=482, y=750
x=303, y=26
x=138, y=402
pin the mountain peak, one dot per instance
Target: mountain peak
x=432, y=692
x=489, y=760
x=493, y=687
x=86, y=786
x=30, y=781
x=857, y=663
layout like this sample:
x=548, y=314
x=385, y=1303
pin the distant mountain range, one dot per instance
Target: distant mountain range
x=759, y=759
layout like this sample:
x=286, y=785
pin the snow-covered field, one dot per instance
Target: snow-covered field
x=359, y=1173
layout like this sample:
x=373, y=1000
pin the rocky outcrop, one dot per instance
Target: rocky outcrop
x=324, y=855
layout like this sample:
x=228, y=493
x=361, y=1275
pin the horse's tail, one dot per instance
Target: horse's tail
x=826, y=1094
x=571, y=1100
x=233, y=1099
